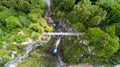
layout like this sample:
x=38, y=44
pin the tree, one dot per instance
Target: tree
x=71, y=50
x=114, y=14
x=12, y=22
x=78, y=14
x=104, y=44
x=94, y=21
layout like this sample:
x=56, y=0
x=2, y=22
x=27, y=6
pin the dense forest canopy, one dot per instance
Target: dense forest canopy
x=98, y=19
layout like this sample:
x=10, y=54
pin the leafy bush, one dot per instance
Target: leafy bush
x=36, y=27
x=94, y=21
x=33, y=17
x=12, y=22
x=105, y=46
x=24, y=21
x=71, y=50
x=3, y=16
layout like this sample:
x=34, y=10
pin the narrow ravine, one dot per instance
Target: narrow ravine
x=59, y=33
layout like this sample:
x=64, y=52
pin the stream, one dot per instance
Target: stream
x=59, y=27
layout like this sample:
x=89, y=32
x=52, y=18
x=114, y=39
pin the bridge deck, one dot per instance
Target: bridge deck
x=63, y=33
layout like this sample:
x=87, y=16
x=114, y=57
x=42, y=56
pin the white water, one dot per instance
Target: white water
x=58, y=42
x=31, y=47
x=47, y=2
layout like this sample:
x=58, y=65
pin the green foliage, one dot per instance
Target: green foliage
x=34, y=54
x=12, y=47
x=36, y=27
x=49, y=29
x=17, y=16
x=4, y=56
x=44, y=24
x=2, y=8
x=83, y=14
x=26, y=16
x=33, y=17
x=24, y=21
x=78, y=14
x=86, y=13
x=38, y=4
x=94, y=21
x=38, y=7
x=20, y=38
x=71, y=51
x=12, y=22
x=79, y=27
x=104, y=45
x=35, y=35
x=63, y=4
x=3, y=16
x=117, y=29
x=106, y=3
x=67, y=4
x=18, y=4
x=114, y=14
x=23, y=5
x=111, y=30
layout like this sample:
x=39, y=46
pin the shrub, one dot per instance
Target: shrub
x=94, y=21
x=12, y=22
x=33, y=17
x=36, y=27
x=105, y=46
x=71, y=50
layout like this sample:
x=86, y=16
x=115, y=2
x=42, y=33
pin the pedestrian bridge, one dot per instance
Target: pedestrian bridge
x=63, y=33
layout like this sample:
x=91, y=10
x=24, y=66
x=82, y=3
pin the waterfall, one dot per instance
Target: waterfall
x=58, y=42
x=47, y=2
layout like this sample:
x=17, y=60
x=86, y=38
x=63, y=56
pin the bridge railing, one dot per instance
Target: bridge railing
x=63, y=33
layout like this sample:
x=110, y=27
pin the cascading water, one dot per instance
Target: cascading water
x=62, y=27
x=56, y=45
